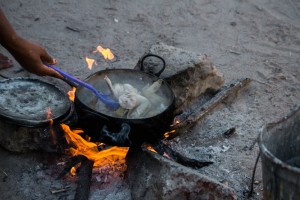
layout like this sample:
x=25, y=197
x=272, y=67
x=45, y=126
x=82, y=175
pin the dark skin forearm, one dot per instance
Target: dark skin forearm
x=7, y=33
x=30, y=56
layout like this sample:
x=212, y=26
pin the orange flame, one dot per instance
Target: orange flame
x=49, y=116
x=51, y=130
x=176, y=120
x=106, y=53
x=90, y=62
x=71, y=94
x=168, y=134
x=90, y=149
x=73, y=171
x=150, y=148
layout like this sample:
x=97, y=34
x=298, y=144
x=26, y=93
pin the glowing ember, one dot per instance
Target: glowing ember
x=176, y=120
x=168, y=134
x=150, y=148
x=73, y=171
x=49, y=116
x=106, y=53
x=90, y=150
x=90, y=62
x=71, y=94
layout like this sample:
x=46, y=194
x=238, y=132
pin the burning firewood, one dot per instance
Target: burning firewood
x=191, y=116
x=84, y=180
x=84, y=176
x=164, y=149
x=73, y=161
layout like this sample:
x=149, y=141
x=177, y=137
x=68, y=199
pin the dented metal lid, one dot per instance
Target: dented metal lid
x=31, y=102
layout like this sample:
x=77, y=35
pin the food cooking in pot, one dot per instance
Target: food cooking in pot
x=135, y=103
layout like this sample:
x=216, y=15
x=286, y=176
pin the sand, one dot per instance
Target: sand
x=258, y=39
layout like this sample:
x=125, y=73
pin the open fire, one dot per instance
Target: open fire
x=51, y=129
x=106, y=159
x=98, y=153
x=106, y=53
x=80, y=146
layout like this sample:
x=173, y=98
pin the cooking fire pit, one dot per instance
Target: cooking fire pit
x=100, y=126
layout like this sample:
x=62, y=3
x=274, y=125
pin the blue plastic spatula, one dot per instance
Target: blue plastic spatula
x=112, y=104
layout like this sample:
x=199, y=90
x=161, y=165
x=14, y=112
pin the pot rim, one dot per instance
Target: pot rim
x=39, y=123
x=171, y=97
x=268, y=154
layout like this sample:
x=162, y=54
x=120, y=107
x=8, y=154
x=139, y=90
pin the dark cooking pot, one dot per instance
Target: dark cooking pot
x=102, y=126
x=29, y=109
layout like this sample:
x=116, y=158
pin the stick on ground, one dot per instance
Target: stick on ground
x=84, y=180
x=188, y=119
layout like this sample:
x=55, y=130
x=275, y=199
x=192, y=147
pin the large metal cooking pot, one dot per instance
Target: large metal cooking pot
x=279, y=144
x=102, y=126
x=29, y=108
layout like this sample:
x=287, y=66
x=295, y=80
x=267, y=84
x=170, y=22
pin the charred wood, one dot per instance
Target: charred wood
x=84, y=180
x=162, y=148
x=84, y=175
x=230, y=132
x=71, y=163
x=187, y=119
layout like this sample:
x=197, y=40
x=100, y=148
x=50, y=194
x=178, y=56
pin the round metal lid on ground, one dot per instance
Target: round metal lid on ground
x=31, y=102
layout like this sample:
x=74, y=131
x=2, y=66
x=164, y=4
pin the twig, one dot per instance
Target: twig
x=3, y=172
x=61, y=163
x=55, y=191
x=4, y=76
x=72, y=29
x=261, y=82
x=234, y=52
x=230, y=132
x=71, y=163
x=84, y=180
x=162, y=148
x=253, y=175
x=5, y=175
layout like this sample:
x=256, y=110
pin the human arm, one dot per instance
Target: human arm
x=30, y=56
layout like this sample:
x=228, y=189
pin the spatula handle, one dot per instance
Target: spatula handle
x=104, y=98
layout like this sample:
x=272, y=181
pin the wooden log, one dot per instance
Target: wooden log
x=84, y=180
x=71, y=163
x=162, y=148
x=152, y=176
x=188, y=118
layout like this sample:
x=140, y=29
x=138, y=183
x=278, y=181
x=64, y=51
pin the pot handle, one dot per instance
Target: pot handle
x=154, y=55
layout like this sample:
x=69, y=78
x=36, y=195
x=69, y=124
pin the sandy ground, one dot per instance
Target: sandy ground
x=259, y=39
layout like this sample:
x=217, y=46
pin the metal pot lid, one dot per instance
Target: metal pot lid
x=32, y=102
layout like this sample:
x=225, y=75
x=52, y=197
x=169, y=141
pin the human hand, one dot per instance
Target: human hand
x=31, y=57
